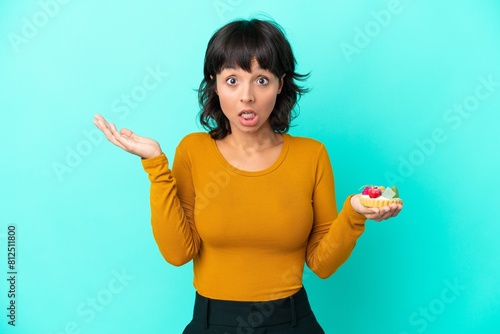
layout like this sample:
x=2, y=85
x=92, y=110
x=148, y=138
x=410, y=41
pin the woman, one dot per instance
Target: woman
x=248, y=203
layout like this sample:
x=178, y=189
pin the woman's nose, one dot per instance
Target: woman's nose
x=247, y=93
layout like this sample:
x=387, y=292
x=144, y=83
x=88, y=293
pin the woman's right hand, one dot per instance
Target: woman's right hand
x=144, y=147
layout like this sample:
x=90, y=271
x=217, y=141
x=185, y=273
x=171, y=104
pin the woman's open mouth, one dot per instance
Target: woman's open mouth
x=248, y=117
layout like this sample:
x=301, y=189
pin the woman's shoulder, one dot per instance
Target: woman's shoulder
x=194, y=143
x=307, y=149
x=305, y=143
x=195, y=139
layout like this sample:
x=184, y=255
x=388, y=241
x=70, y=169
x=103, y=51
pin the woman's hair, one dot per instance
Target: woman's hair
x=236, y=45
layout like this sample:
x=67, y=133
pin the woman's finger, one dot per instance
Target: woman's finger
x=397, y=210
x=392, y=212
x=101, y=123
x=127, y=132
x=110, y=132
x=104, y=128
x=121, y=141
x=384, y=213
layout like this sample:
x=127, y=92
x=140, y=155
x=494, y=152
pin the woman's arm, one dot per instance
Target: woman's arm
x=333, y=236
x=171, y=218
x=173, y=229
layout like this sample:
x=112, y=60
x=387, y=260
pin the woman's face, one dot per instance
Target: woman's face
x=248, y=98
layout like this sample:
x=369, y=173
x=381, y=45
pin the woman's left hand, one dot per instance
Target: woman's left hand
x=377, y=214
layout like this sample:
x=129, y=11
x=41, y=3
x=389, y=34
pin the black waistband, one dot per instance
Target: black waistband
x=251, y=314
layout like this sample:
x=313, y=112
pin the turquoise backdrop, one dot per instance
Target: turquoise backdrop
x=403, y=92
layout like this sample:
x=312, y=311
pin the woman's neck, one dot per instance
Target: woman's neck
x=253, y=142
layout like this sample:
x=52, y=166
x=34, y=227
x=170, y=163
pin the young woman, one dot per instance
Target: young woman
x=248, y=203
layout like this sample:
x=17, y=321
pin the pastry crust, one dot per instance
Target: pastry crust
x=378, y=202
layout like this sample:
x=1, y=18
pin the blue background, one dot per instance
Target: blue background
x=387, y=79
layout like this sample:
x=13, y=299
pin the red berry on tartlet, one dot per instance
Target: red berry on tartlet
x=374, y=192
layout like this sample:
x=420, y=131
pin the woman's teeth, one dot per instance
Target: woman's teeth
x=248, y=115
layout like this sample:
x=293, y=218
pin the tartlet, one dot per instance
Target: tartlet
x=379, y=196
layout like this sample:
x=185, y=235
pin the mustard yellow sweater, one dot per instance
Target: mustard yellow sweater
x=249, y=233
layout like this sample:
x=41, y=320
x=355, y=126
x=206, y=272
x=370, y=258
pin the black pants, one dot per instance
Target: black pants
x=281, y=316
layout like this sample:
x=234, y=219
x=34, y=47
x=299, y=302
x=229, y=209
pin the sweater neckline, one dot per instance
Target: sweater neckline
x=231, y=168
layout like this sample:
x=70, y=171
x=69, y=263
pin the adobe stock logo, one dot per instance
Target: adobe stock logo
x=212, y=189
x=31, y=26
x=421, y=319
x=121, y=106
x=223, y=6
x=454, y=116
x=89, y=309
x=372, y=29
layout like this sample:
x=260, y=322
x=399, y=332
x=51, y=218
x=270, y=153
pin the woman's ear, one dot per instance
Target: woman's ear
x=282, y=81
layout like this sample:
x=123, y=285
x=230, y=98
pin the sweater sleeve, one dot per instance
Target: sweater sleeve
x=333, y=235
x=172, y=223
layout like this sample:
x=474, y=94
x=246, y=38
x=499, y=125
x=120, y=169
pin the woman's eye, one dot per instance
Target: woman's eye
x=262, y=81
x=231, y=81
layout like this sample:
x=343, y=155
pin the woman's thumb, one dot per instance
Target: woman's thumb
x=126, y=132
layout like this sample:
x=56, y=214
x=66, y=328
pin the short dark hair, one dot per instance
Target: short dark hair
x=235, y=45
